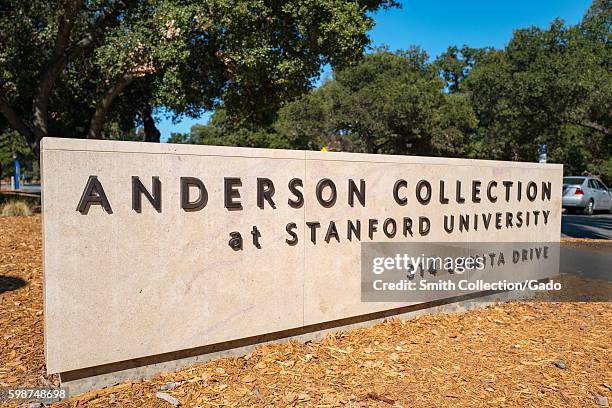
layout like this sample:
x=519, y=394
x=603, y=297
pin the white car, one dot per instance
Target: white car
x=585, y=194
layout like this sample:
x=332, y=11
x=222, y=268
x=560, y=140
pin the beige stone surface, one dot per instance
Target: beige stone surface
x=126, y=285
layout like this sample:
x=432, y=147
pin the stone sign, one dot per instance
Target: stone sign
x=155, y=248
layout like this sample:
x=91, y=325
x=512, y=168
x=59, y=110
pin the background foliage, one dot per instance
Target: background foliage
x=100, y=68
x=547, y=86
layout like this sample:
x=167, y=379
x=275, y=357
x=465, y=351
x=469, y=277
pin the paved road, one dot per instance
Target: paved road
x=581, y=226
x=27, y=188
x=31, y=188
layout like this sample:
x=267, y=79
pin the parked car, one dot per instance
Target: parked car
x=586, y=194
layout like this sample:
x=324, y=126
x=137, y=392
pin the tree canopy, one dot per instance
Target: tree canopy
x=76, y=68
x=548, y=86
x=551, y=87
x=388, y=103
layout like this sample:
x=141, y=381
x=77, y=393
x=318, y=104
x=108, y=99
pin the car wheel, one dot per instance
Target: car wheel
x=588, y=210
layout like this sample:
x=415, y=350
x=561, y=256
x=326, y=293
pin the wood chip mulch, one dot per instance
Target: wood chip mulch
x=534, y=354
x=22, y=361
x=571, y=241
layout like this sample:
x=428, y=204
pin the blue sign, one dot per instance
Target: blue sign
x=17, y=174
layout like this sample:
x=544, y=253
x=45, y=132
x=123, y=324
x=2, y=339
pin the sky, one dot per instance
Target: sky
x=434, y=25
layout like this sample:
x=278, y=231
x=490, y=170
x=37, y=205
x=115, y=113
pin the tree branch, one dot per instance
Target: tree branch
x=151, y=133
x=595, y=126
x=54, y=67
x=97, y=121
x=18, y=124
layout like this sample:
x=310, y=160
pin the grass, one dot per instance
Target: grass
x=16, y=209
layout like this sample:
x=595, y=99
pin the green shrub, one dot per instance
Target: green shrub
x=16, y=209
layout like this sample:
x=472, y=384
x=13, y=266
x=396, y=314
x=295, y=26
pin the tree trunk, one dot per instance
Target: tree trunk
x=151, y=133
x=18, y=124
x=97, y=121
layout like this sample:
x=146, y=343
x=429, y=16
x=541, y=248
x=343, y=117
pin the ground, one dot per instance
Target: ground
x=598, y=226
x=511, y=355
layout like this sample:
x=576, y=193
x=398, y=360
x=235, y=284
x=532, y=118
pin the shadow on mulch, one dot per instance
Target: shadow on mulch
x=8, y=283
